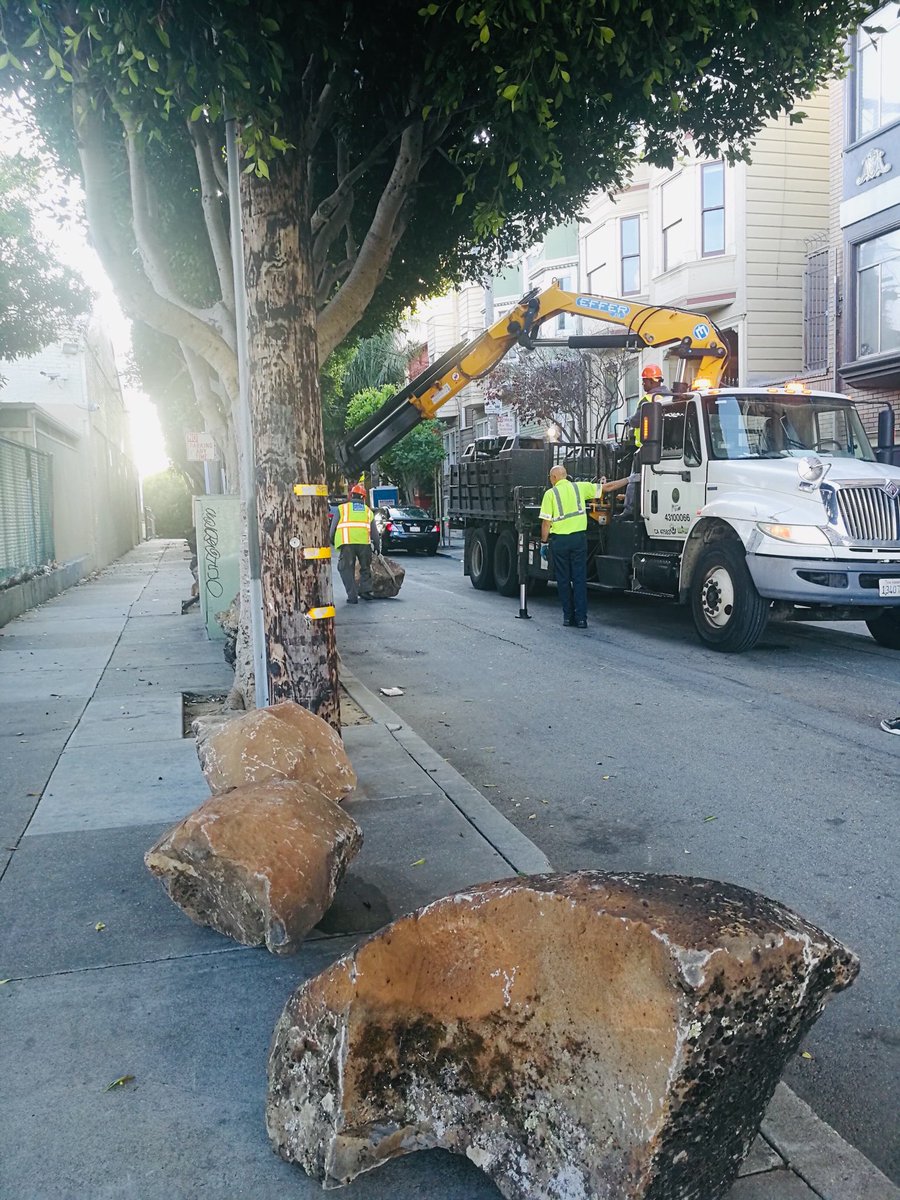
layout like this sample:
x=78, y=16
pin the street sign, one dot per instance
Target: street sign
x=201, y=447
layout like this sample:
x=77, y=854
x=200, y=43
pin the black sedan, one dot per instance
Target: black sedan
x=409, y=529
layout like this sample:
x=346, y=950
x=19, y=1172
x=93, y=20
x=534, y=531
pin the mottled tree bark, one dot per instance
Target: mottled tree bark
x=286, y=413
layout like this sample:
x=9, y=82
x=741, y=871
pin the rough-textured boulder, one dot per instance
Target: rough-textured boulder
x=284, y=741
x=578, y=1037
x=260, y=864
x=387, y=577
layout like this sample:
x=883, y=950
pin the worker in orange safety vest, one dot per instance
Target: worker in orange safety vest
x=354, y=532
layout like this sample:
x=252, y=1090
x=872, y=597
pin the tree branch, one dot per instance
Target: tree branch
x=138, y=297
x=211, y=200
x=345, y=310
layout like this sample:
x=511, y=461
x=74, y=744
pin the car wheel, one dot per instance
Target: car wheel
x=728, y=611
x=886, y=629
x=506, y=568
x=481, y=561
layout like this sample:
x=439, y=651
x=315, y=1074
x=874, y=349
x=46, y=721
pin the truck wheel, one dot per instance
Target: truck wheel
x=886, y=629
x=481, y=565
x=728, y=611
x=506, y=566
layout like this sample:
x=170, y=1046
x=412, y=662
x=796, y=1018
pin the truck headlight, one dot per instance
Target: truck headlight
x=805, y=535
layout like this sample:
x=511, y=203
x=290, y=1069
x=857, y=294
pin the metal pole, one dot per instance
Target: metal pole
x=245, y=425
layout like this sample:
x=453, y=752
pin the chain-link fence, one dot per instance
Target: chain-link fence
x=26, y=509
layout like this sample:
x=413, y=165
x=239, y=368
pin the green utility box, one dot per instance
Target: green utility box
x=218, y=525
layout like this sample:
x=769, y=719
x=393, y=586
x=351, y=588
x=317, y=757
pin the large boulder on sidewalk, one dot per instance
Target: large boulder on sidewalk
x=575, y=1036
x=387, y=577
x=284, y=741
x=260, y=863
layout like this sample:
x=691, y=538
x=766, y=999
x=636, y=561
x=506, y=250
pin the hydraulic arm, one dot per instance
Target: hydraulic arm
x=694, y=336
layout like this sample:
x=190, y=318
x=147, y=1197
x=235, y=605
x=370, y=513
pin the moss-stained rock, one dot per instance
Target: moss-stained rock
x=578, y=1037
x=260, y=864
x=284, y=741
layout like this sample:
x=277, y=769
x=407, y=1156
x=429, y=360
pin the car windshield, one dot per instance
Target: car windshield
x=410, y=514
x=784, y=425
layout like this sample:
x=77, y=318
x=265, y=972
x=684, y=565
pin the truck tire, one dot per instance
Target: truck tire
x=506, y=566
x=481, y=568
x=729, y=613
x=886, y=629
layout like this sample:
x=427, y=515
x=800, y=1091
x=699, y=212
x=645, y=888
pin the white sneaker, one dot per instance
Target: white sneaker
x=891, y=725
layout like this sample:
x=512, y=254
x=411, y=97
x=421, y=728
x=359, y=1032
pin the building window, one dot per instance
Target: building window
x=712, y=183
x=564, y=321
x=671, y=224
x=815, y=310
x=878, y=295
x=630, y=233
x=876, y=95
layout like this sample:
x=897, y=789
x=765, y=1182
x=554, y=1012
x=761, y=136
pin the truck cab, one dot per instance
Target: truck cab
x=772, y=503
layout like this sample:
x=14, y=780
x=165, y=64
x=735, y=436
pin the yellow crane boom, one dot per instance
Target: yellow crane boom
x=695, y=337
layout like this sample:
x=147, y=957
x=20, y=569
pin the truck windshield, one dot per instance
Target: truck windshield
x=784, y=425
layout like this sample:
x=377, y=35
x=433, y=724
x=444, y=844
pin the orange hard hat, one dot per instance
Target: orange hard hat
x=651, y=371
x=358, y=490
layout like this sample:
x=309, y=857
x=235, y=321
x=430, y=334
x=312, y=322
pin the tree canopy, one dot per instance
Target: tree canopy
x=438, y=139
x=410, y=464
x=39, y=296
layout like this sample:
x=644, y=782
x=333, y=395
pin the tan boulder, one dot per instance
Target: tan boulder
x=578, y=1037
x=284, y=741
x=260, y=864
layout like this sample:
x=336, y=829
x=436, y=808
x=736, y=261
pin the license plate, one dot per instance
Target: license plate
x=889, y=587
x=415, y=529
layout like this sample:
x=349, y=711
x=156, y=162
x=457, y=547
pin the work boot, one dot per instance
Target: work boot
x=366, y=596
x=568, y=621
x=581, y=624
x=351, y=600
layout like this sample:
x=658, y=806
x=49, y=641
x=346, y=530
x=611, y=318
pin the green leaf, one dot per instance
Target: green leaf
x=518, y=182
x=513, y=167
x=132, y=75
x=262, y=168
x=138, y=54
x=197, y=113
x=251, y=166
x=163, y=36
x=49, y=73
x=484, y=35
x=64, y=74
x=270, y=25
x=4, y=61
x=32, y=39
x=277, y=143
x=152, y=63
x=460, y=196
x=55, y=57
x=510, y=91
x=647, y=16
x=565, y=77
x=425, y=111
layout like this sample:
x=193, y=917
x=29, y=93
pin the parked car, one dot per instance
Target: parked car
x=409, y=529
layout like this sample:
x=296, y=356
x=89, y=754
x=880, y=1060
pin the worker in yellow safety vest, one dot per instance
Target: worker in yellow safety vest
x=563, y=520
x=354, y=532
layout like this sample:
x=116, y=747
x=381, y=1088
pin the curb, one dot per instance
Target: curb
x=831, y=1167
x=521, y=853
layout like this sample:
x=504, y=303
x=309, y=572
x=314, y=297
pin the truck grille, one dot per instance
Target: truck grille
x=870, y=514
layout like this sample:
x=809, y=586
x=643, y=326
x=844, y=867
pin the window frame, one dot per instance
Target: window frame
x=667, y=229
x=711, y=208
x=623, y=257
x=888, y=16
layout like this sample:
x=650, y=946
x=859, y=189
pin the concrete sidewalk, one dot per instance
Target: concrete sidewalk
x=105, y=978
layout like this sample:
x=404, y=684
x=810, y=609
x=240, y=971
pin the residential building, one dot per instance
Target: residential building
x=68, y=483
x=852, y=312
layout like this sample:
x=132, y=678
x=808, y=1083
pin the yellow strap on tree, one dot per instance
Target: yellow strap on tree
x=320, y=614
x=310, y=489
x=316, y=552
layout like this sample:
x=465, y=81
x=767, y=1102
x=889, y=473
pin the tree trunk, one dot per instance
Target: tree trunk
x=286, y=413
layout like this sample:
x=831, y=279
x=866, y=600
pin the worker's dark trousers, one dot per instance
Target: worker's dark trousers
x=569, y=561
x=347, y=560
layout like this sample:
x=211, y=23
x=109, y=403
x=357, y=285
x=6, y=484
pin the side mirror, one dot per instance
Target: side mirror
x=651, y=433
x=886, y=429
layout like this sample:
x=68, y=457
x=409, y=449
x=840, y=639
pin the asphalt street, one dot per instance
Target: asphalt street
x=630, y=746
